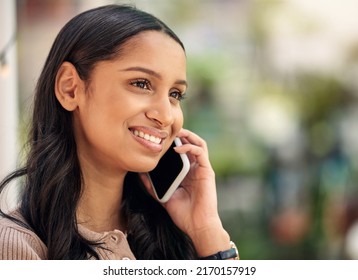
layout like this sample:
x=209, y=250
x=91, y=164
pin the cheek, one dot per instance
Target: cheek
x=179, y=121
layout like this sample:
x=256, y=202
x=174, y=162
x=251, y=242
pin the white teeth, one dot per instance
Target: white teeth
x=146, y=136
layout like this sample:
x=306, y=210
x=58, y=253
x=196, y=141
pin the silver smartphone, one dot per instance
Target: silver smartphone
x=166, y=177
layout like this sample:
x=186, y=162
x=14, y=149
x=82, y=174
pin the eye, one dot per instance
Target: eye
x=177, y=95
x=141, y=83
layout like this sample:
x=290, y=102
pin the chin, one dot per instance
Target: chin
x=143, y=168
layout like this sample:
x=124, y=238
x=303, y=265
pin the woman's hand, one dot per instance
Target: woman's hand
x=193, y=206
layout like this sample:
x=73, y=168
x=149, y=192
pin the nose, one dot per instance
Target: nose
x=160, y=111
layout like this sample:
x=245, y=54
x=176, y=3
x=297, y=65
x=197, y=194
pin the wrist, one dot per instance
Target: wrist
x=210, y=241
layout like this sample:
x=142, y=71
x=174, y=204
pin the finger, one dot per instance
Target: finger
x=191, y=149
x=188, y=136
x=197, y=155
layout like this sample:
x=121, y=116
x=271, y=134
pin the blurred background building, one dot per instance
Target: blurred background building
x=273, y=90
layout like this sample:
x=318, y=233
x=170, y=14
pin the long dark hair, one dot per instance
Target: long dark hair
x=53, y=179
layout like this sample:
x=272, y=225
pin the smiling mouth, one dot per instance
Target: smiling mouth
x=147, y=136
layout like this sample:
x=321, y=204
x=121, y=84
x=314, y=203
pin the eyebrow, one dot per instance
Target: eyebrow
x=153, y=73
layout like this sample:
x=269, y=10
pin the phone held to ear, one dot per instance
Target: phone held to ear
x=166, y=177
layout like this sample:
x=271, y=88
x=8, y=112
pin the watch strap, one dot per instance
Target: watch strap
x=232, y=253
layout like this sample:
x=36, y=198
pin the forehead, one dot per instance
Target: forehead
x=153, y=47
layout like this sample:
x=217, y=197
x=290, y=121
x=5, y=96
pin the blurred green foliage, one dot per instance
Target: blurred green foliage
x=285, y=132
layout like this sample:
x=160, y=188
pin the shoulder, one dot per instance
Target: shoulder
x=18, y=242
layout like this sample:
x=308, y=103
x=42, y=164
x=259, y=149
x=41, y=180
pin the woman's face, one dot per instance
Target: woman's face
x=130, y=112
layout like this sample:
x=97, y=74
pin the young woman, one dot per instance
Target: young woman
x=106, y=109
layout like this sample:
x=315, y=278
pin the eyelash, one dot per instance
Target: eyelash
x=180, y=95
x=145, y=84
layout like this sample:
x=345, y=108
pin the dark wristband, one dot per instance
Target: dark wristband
x=232, y=253
x=222, y=255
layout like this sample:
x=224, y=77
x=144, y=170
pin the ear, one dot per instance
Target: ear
x=68, y=86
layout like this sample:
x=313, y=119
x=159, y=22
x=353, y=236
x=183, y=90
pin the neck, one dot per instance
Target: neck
x=99, y=207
